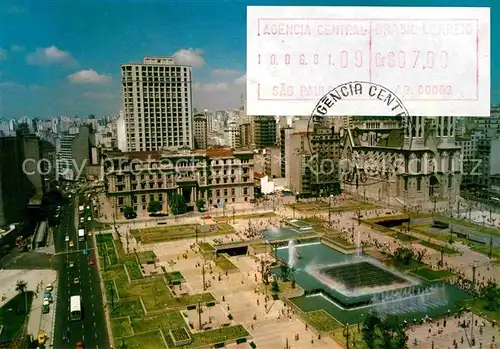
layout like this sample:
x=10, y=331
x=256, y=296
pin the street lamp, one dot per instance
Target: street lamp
x=330, y=210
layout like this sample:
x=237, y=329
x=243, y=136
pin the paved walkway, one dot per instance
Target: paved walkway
x=37, y=321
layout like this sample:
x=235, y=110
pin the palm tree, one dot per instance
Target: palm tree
x=21, y=287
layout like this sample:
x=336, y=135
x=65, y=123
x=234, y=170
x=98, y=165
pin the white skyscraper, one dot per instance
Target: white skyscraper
x=157, y=104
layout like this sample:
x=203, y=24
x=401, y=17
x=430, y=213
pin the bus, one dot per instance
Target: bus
x=81, y=234
x=75, y=308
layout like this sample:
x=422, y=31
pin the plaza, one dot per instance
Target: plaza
x=204, y=283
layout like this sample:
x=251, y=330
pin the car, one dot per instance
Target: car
x=81, y=219
x=89, y=218
x=66, y=238
x=49, y=288
x=91, y=261
x=41, y=337
x=76, y=281
x=71, y=264
x=90, y=233
x=79, y=345
x=48, y=300
x=71, y=244
x=88, y=207
x=45, y=307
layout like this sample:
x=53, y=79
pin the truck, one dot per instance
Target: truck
x=81, y=234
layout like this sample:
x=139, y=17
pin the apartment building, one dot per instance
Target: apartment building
x=232, y=135
x=263, y=131
x=272, y=162
x=245, y=134
x=73, y=154
x=157, y=104
x=216, y=175
x=200, y=131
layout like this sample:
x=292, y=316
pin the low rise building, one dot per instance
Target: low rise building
x=219, y=176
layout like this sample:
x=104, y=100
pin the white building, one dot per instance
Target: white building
x=121, y=132
x=232, y=135
x=157, y=104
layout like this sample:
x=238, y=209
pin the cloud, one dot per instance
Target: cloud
x=15, y=86
x=190, y=56
x=89, y=76
x=219, y=95
x=211, y=87
x=3, y=54
x=17, y=48
x=242, y=80
x=224, y=72
x=50, y=55
x=95, y=95
x=16, y=10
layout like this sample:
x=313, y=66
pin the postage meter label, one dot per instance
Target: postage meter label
x=435, y=59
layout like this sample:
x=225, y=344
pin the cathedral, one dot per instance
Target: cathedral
x=414, y=161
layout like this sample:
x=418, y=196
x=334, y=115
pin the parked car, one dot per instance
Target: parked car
x=76, y=281
x=71, y=264
x=79, y=345
x=66, y=238
x=45, y=307
x=71, y=244
x=41, y=337
x=49, y=288
x=91, y=261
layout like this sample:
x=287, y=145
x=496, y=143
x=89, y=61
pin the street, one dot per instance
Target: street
x=91, y=329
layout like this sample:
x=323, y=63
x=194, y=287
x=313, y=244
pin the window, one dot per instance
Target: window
x=405, y=184
x=217, y=192
x=245, y=191
x=160, y=197
x=419, y=184
x=120, y=200
x=450, y=181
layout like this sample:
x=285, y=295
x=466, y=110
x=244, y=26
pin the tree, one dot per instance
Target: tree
x=491, y=293
x=154, y=207
x=284, y=272
x=22, y=287
x=369, y=330
x=386, y=333
x=421, y=254
x=200, y=205
x=178, y=204
x=129, y=212
x=275, y=287
x=401, y=339
x=403, y=255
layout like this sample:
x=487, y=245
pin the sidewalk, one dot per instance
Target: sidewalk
x=37, y=321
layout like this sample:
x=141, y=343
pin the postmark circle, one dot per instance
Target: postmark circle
x=353, y=169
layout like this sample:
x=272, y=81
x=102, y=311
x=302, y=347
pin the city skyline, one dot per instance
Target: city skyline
x=64, y=58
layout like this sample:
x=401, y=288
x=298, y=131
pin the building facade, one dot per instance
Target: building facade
x=263, y=131
x=200, y=131
x=414, y=164
x=73, y=154
x=157, y=104
x=219, y=176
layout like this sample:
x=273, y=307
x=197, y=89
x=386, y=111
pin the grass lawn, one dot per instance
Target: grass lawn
x=244, y=216
x=164, y=322
x=355, y=337
x=13, y=315
x=121, y=327
x=479, y=307
x=222, y=334
x=477, y=227
x=177, y=232
x=206, y=247
x=224, y=263
x=321, y=320
x=337, y=240
x=437, y=247
x=134, y=271
x=173, y=277
x=432, y=275
x=321, y=206
x=146, y=257
x=127, y=307
x=145, y=340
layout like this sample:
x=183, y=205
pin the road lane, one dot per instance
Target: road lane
x=92, y=328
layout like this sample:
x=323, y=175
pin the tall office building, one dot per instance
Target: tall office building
x=157, y=104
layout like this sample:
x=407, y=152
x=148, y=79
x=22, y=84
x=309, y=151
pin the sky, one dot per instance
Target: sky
x=63, y=57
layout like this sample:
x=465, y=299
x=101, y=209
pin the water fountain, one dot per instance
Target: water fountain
x=292, y=257
x=409, y=300
x=359, y=251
